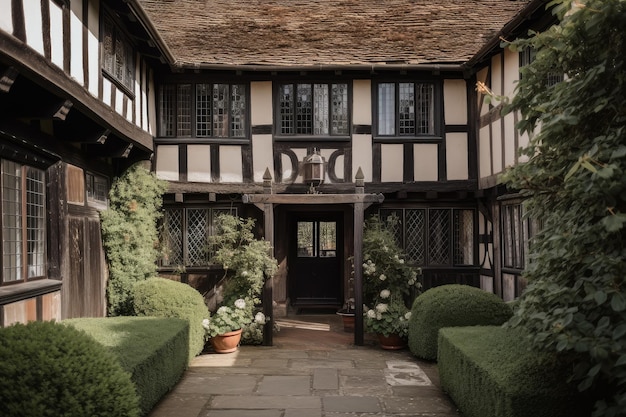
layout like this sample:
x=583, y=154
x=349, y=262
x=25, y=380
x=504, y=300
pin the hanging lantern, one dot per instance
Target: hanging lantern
x=314, y=169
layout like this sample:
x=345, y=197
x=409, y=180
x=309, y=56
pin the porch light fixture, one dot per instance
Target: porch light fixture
x=314, y=169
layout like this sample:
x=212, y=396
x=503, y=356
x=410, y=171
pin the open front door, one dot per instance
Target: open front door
x=316, y=259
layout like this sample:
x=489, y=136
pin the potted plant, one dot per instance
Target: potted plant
x=388, y=281
x=224, y=327
x=347, y=315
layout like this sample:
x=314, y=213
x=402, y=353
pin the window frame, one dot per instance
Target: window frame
x=129, y=64
x=25, y=230
x=454, y=240
x=437, y=112
x=192, y=137
x=277, y=123
x=527, y=229
x=184, y=233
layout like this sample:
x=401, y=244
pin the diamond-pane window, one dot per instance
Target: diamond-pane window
x=439, y=236
x=406, y=109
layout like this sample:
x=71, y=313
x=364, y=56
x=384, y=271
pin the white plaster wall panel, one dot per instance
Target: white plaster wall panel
x=261, y=103
x=6, y=20
x=76, y=42
x=362, y=102
x=457, y=156
x=106, y=91
x=482, y=77
x=231, y=165
x=119, y=101
x=484, y=150
x=33, y=24
x=262, y=156
x=425, y=165
x=151, y=104
x=199, y=163
x=496, y=75
x=511, y=71
x=455, y=102
x=94, y=46
x=362, y=156
x=496, y=146
x=56, y=34
x=392, y=163
x=288, y=168
x=326, y=153
x=509, y=140
x=138, y=87
x=167, y=162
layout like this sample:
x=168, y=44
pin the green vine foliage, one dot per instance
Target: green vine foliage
x=575, y=303
x=130, y=234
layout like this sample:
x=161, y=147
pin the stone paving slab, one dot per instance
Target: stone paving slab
x=262, y=402
x=285, y=385
x=352, y=404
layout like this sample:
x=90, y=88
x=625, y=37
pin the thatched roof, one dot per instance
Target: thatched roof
x=327, y=32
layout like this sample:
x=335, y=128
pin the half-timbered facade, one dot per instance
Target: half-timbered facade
x=77, y=107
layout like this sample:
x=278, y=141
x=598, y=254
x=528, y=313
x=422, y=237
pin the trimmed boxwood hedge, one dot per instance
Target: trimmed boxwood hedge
x=49, y=370
x=450, y=306
x=153, y=350
x=491, y=371
x=160, y=297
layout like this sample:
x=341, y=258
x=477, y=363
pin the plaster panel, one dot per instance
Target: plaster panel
x=151, y=105
x=362, y=156
x=392, y=163
x=56, y=34
x=482, y=77
x=288, y=169
x=457, y=156
x=511, y=71
x=362, y=102
x=76, y=42
x=231, y=165
x=33, y=24
x=484, y=150
x=6, y=20
x=199, y=163
x=326, y=153
x=496, y=74
x=93, y=46
x=496, y=143
x=425, y=162
x=106, y=91
x=455, y=102
x=509, y=140
x=262, y=156
x=261, y=103
x=167, y=162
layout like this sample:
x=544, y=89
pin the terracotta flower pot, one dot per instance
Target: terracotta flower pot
x=227, y=342
x=391, y=342
x=348, y=321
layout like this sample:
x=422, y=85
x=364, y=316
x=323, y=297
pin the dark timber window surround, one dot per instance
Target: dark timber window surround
x=118, y=62
x=23, y=222
x=203, y=110
x=313, y=110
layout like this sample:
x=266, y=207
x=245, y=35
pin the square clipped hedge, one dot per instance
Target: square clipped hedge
x=491, y=371
x=153, y=350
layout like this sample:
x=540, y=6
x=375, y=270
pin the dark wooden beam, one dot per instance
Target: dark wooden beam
x=63, y=110
x=7, y=79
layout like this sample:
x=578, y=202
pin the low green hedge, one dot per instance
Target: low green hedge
x=160, y=297
x=451, y=306
x=153, y=350
x=49, y=370
x=491, y=371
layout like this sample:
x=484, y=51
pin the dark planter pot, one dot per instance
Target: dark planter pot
x=391, y=342
x=348, y=321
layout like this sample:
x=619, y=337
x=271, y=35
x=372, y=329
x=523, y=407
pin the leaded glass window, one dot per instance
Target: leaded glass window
x=117, y=54
x=203, y=110
x=23, y=222
x=313, y=109
x=406, y=109
x=185, y=235
x=433, y=236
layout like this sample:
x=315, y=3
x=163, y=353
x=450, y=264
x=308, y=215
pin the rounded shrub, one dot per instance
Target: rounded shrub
x=50, y=369
x=160, y=297
x=451, y=306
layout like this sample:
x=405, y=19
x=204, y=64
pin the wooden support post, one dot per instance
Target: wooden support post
x=268, y=289
x=358, y=273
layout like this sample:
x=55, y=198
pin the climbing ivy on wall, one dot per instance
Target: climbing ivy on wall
x=130, y=234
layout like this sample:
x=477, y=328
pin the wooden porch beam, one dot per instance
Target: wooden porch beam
x=367, y=199
x=7, y=79
x=358, y=273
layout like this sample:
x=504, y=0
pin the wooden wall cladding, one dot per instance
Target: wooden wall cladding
x=44, y=307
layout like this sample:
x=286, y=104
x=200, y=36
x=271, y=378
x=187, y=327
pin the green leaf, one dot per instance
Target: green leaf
x=619, y=331
x=600, y=297
x=618, y=303
x=621, y=361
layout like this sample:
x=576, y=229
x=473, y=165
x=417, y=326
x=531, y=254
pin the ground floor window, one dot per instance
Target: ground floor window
x=433, y=236
x=517, y=231
x=23, y=222
x=185, y=235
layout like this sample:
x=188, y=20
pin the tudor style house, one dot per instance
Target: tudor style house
x=308, y=116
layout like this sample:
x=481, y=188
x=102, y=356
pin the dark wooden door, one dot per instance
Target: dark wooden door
x=316, y=259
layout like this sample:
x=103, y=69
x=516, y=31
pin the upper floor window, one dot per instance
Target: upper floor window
x=117, y=54
x=313, y=110
x=433, y=236
x=406, y=109
x=23, y=222
x=528, y=55
x=97, y=189
x=203, y=110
